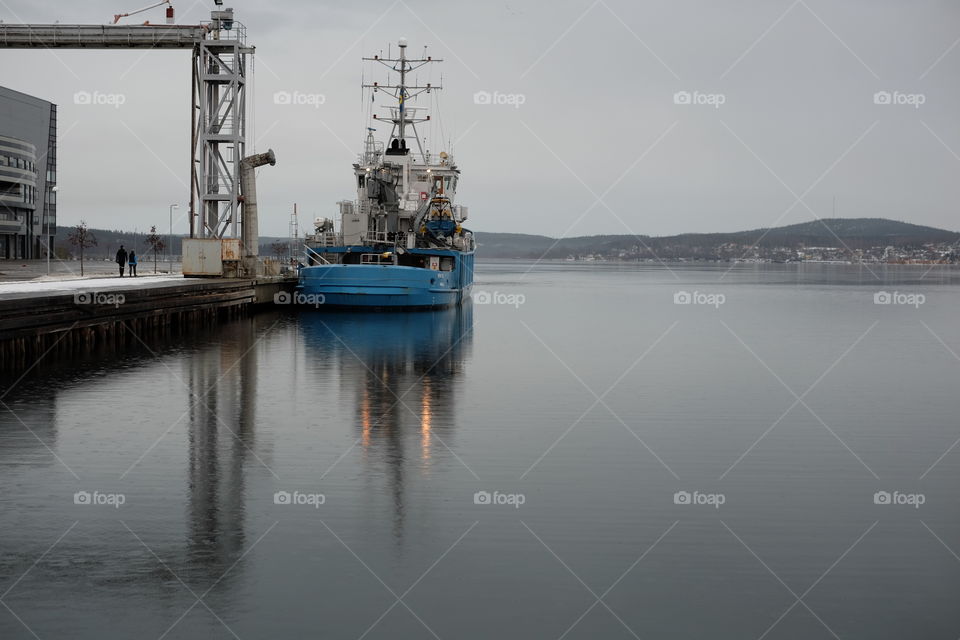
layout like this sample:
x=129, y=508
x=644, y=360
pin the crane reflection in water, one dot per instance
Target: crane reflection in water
x=401, y=370
x=221, y=418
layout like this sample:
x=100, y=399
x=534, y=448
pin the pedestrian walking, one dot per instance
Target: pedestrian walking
x=121, y=259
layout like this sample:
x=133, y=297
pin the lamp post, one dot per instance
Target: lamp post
x=170, y=238
x=53, y=189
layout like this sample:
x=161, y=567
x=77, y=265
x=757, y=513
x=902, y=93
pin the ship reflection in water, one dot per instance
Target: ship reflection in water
x=401, y=371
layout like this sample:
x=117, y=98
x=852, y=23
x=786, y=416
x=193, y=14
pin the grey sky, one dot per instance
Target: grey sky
x=599, y=119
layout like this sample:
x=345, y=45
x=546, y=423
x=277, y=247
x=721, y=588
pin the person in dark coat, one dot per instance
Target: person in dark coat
x=132, y=261
x=121, y=259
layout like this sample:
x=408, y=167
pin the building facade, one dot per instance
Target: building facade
x=28, y=175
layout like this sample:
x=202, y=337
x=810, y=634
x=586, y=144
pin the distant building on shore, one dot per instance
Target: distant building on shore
x=28, y=175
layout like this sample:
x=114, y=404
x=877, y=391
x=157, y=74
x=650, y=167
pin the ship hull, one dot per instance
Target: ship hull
x=375, y=286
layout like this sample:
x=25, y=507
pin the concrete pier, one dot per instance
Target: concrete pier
x=85, y=314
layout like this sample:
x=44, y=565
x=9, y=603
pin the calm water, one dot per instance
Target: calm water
x=317, y=474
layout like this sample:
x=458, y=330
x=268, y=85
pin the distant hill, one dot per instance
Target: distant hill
x=853, y=233
x=109, y=240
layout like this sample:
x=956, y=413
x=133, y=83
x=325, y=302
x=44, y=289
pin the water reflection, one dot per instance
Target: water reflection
x=68, y=415
x=401, y=371
x=222, y=380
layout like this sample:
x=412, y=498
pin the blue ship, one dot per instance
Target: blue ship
x=401, y=244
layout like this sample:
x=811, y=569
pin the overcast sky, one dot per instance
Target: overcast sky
x=599, y=129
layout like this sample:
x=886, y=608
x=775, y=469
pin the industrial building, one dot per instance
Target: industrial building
x=28, y=175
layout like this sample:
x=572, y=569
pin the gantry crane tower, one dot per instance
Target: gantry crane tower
x=218, y=105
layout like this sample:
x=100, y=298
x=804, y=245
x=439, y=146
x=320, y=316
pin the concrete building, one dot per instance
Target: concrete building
x=28, y=175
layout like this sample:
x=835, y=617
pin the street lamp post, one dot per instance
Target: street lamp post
x=53, y=189
x=170, y=238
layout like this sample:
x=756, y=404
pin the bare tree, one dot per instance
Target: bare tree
x=279, y=250
x=82, y=238
x=157, y=245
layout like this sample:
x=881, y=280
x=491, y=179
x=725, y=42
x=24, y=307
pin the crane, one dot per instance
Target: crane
x=221, y=58
x=116, y=17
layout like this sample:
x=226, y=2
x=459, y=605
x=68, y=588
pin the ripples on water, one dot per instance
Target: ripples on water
x=594, y=402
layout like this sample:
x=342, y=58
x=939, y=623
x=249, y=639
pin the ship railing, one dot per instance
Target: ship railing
x=425, y=160
x=375, y=237
x=326, y=239
x=433, y=159
x=371, y=157
x=312, y=255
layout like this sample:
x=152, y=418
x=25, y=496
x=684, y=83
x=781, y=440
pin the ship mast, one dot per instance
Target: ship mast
x=403, y=85
x=402, y=93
